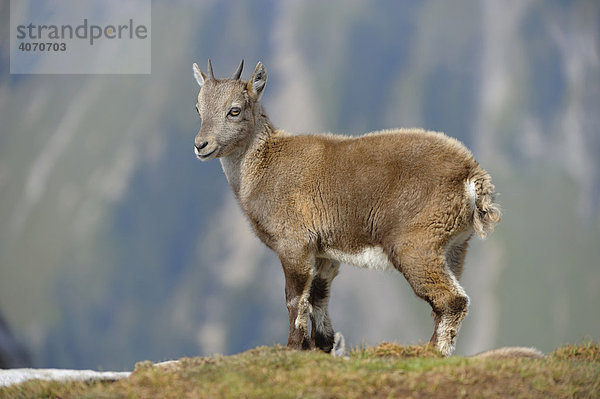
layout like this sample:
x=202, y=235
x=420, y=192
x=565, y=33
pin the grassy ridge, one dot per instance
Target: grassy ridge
x=388, y=370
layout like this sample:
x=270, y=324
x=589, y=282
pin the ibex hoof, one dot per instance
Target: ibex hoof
x=339, y=345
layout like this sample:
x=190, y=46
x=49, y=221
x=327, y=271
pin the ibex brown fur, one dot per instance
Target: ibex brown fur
x=402, y=199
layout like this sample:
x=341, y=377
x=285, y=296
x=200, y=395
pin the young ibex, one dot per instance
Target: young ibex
x=402, y=199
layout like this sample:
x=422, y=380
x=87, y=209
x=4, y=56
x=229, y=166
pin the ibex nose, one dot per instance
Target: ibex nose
x=201, y=145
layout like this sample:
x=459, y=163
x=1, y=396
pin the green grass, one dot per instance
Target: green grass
x=385, y=371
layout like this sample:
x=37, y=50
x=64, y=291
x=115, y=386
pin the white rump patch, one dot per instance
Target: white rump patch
x=368, y=258
x=471, y=192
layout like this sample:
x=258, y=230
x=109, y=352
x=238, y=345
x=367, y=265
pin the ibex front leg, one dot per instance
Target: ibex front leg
x=298, y=279
x=322, y=334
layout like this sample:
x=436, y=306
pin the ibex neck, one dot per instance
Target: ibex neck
x=234, y=164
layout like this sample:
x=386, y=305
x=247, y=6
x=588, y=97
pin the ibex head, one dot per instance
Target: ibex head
x=227, y=108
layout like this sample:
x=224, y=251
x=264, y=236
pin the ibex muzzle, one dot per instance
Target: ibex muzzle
x=401, y=199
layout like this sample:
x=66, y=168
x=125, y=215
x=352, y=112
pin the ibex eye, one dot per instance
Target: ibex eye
x=235, y=111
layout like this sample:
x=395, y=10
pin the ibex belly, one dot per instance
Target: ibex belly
x=371, y=257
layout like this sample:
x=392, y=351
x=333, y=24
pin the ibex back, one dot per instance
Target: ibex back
x=399, y=199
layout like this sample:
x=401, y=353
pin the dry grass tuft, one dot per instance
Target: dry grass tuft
x=387, y=349
x=587, y=351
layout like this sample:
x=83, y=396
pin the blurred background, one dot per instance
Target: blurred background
x=117, y=245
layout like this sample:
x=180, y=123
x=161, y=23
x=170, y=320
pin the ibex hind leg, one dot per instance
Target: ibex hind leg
x=456, y=253
x=430, y=277
x=322, y=334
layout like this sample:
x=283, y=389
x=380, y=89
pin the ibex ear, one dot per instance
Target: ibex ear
x=200, y=77
x=257, y=82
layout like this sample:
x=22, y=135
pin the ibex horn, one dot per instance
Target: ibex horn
x=238, y=72
x=209, y=70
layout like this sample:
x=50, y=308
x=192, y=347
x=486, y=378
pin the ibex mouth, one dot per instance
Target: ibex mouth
x=207, y=156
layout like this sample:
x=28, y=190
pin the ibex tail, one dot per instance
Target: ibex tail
x=486, y=213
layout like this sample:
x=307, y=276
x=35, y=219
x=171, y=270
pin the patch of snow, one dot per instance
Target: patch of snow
x=17, y=376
